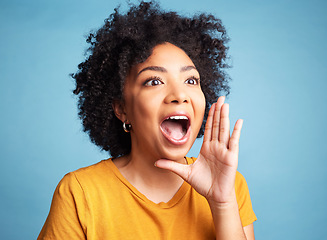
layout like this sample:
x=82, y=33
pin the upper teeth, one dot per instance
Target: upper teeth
x=178, y=117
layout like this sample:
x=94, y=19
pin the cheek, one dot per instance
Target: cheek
x=143, y=111
x=201, y=103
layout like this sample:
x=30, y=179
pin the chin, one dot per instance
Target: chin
x=176, y=154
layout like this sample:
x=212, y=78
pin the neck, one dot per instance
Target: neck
x=158, y=185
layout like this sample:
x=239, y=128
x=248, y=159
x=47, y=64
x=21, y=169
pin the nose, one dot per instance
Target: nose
x=176, y=94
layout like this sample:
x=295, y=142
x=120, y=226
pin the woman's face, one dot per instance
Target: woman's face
x=164, y=103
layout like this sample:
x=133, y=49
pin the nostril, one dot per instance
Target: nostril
x=177, y=101
x=177, y=97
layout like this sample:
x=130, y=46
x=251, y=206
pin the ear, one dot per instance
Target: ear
x=119, y=110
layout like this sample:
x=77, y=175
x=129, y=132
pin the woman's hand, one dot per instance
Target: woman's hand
x=213, y=173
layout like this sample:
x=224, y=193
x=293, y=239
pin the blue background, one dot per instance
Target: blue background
x=278, y=52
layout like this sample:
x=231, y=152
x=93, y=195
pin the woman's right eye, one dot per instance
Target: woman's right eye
x=153, y=82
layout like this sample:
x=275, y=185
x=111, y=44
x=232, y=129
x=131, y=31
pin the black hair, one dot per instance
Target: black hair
x=127, y=39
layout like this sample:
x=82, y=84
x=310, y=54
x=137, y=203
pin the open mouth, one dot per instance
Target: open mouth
x=175, y=128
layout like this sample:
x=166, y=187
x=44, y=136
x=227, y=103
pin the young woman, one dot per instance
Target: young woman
x=144, y=90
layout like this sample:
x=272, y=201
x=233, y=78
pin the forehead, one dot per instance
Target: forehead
x=166, y=55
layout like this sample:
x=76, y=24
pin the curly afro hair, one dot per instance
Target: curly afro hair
x=128, y=39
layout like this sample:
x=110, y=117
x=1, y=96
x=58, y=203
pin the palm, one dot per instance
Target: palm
x=213, y=174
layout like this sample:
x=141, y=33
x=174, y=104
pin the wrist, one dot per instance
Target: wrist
x=223, y=202
x=227, y=219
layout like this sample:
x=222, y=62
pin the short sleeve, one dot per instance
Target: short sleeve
x=247, y=214
x=67, y=212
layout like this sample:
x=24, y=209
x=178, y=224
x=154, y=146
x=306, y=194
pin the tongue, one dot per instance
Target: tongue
x=173, y=129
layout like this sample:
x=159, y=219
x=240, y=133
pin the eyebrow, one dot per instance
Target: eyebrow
x=187, y=68
x=162, y=69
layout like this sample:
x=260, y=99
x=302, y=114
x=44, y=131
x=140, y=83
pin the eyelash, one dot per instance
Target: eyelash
x=149, y=80
x=197, y=80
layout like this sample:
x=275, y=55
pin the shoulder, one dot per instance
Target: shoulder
x=241, y=188
x=240, y=181
x=100, y=168
x=95, y=174
x=244, y=200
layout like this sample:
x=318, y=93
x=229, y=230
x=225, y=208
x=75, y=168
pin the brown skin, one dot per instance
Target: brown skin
x=164, y=85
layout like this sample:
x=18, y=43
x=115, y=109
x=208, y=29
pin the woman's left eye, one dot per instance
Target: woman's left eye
x=192, y=81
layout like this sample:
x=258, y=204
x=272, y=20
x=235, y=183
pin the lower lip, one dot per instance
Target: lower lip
x=181, y=141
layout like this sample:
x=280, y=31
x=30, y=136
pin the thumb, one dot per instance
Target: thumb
x=181, y=170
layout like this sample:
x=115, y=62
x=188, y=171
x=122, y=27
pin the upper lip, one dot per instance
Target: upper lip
x=178, y=115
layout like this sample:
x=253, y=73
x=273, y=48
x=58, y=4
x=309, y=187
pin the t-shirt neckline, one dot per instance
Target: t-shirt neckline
x=185, y=187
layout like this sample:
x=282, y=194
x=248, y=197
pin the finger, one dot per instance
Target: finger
x=216, y=118
x=224, y=128
x=235, y=138
x=208, y=127
x=181, y=170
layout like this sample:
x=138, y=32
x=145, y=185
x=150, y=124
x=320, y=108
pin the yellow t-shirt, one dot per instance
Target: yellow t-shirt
x=97, y=202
